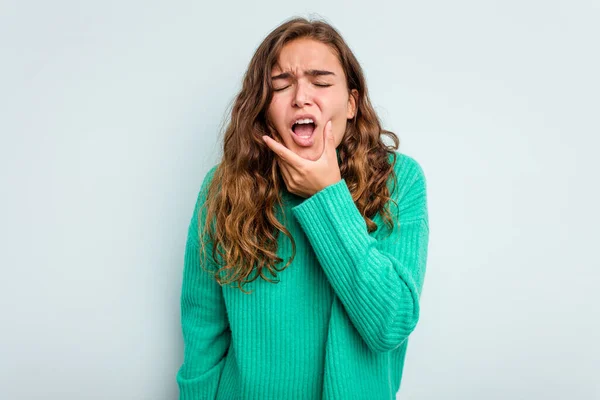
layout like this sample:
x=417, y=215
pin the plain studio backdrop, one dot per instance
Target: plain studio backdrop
x=111, y=114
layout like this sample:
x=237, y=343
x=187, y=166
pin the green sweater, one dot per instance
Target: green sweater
x=337, y=324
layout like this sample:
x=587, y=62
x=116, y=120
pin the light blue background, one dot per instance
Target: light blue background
x=111, y=114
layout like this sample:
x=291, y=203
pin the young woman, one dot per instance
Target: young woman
x=324, y=310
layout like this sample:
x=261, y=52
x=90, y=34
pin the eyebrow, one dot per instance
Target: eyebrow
x=310, y=72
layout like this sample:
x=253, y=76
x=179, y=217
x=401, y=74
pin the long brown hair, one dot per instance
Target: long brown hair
x=246, y=184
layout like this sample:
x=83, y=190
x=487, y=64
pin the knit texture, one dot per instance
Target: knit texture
x=335, y=326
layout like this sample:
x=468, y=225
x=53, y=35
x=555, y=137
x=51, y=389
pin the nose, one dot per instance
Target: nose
x=302, y=96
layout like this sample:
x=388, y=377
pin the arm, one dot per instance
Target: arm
x=378, y=278
x=204, y=322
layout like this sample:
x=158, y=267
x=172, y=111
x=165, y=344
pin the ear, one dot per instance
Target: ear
x=352, y=100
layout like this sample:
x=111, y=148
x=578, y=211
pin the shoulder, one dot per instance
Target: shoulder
x=409, y=171
x=208, y=177
x=211, y=172
x=203, y=191
x=410, y=186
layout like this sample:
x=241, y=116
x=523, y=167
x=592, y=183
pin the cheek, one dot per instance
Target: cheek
x=272, y=111
x=333, y=105
x=276, y=113
x=341, y=105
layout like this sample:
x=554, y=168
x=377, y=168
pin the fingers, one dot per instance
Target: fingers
x=283, y=152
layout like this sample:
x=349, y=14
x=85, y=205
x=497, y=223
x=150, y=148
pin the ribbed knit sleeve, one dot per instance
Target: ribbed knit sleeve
x=204, y=322
x=377, y=276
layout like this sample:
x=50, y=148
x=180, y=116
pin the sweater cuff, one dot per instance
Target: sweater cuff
x=329, y=214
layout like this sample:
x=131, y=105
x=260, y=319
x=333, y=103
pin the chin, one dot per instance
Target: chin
x=308, y=153
x=312, y=156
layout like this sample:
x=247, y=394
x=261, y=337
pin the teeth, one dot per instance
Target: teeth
x=304, y=121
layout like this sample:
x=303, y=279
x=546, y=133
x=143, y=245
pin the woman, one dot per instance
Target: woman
x=303, y=155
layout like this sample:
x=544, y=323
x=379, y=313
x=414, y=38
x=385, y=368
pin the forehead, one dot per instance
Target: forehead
x=305, y=54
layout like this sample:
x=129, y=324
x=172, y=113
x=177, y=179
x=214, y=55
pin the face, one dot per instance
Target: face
x=309, y=79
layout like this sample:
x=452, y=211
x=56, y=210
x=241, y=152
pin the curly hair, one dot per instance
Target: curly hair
x=246, y=184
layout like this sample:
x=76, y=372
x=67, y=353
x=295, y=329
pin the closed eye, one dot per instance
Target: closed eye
x=316, y=84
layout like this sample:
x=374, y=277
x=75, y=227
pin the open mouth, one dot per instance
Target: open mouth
x=304, y=130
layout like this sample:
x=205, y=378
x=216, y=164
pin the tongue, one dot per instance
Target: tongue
x=304, y=130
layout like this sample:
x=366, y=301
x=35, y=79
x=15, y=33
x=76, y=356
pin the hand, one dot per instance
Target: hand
x=306, y=177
